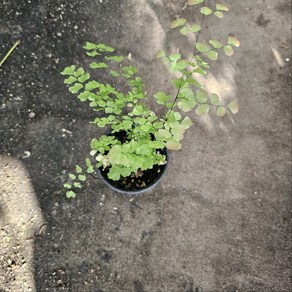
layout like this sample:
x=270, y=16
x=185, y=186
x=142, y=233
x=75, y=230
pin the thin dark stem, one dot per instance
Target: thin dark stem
x=190, y=73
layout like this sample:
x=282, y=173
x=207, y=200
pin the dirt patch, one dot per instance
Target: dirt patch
x=261, y=21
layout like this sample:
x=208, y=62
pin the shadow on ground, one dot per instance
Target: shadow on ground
x=218, y=223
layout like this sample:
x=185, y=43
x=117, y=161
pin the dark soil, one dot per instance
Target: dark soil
x=137, y=181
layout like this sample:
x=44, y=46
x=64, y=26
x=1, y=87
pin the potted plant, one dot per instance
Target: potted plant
x=132, y=154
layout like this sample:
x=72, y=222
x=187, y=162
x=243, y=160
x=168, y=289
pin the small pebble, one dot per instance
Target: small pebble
x=31, y=115
x=26, y=154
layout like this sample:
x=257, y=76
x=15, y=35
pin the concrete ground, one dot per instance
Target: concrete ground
x=221, y=218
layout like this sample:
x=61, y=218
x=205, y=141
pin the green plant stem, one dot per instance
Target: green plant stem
x=180, y=86
x=9, y=52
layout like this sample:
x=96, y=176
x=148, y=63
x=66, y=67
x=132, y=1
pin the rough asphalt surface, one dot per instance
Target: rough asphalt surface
x=221, y=218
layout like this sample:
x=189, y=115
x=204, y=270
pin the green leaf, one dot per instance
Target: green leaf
x=178, y=132
x=147, y=163
x=174, y=57
x=162, y=97
x=233, y=106
x=77, y=185
x=79, y=72
x=115, y=154
x=206, y=10
x=220, y=111
x=232, y=40
x=75, y=88
x=140, y=121
x=92, y=54
x=199, y=70
x=202, y=47
x=69, y=70
x=201, y=63
x=169, y=105
x=90, y=169
x=89, y=46
x=165, y=61
x=94, y=144
x=173, y=145
x=84, y=77
x=92, y=85
x=193, y=81
x=228, y=50
x=201, y=96
x=93, y=104
x=178, y=22
x=70, y=194
x=101, y=124
x=78, y=169
x=125, y=160
x=186, y=105
x=216, y=44
x=114, y=173
x=186, y=93
x=219, y=14
x=182, y=64
x=105, y=48
x=194, y=2
x=144, y=149
x=67, y=186
x=156, y=144
x=70, y=80
x=87, y=162
x=195, y=28
x=162, y=134
x=117, y=59
x=202, y=109
x=82, y=177
x=214, y=99
x=172, y=67
x=184, y=30
x=83, y=96
x=177, y=116
x=186, y=122
x=221, y=7
x=100, y=65
x=138, y=110
x=114, y=73
x=212, y=55
x=129, y=71
x=158, y=125
x=125, y=148
x=125, y=171
x=72, y=176
x=147, y=127
x=179, y=82
x=160, y=54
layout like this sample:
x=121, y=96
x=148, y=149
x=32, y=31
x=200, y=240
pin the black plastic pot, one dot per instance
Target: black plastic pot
x=156, y=175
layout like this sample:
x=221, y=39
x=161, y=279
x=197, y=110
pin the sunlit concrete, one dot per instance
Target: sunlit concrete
x=20, y=219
